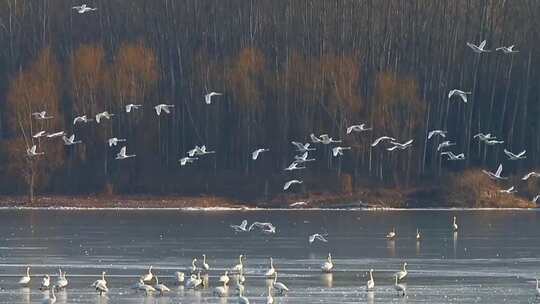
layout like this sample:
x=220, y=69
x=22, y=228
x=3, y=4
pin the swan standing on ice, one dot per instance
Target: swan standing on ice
x=45, y=282
x=224, y=278
x=41, y=115
x=317, y=236
x=180, y=277
x=104, y=114
x=62, y=281
x=81, y=119
x=122, y=154
x=328, y=266
x=163, y=107
x=289, y=183
x=147, y=277
x=81, y=9
x=131, y=106
x=392, y=234
x=101, y=285
x=208, y=97
x=255, y=154
x=496, y=175
x=271, y=271
x=240, y=266
x=418, y=235
x=193, y=269
x=512, y=156
x=461, y=94
x=402, y=274
x=358, y=128
x=300, y=147
x=478, y=48
x=25, y=280
x=160, y=287
x=241, y=298
x=370, y=285
x=280, y=287
x=454, y=225
x=400, y=288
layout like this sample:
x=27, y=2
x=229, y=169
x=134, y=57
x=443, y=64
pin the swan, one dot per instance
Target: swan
x=530, y=174
x=45, y=282
x=193, y=267
x=255, y=154
x=104, y=114
x=402, y=274
x=138, y=285
x=493, y=142
x=221, y=291
x=160, y=287
x=512, y=156
x=280, y=287
x=293, y=166
x=41, y=115
x=56, y=134
x=240, y=266
x=101, y=281
x=478, y=48
x=225, y=278
x=400, y=146
x=81, y=119
x=445, y=144
x=131, y=106
x=271, y=271
x=69, y=141
x=452, y=156
x=392, y=234
x=51, y=299
x=81, y=9
x=358, y=128
x=454, y=225
x=163, y=107
x=303, y=158
x=440, y=133
x=291, y=182
x=418, y=236
x=240, y=228
x=113, y=141
x=371, y=282
x=326, y=140
x=187, y=160
x=62, y=281
x=382, y=138
x=32, y=151
x=497, y=174
x=269, y=298
x=147, y=289
x=461, y=94
x=25, y=280
x=317, y=236
x=337, y=151
x=180, y=277
x=194, y=281
x=328, y=266
x=300, y=147
x=400, y=288
x=208, y=97
x=240, y=277
x=483, y=137
x=39, y=134
x=537, y=288
x=204, y=264
x=147, y=277
x=122, y=154
x=507, y=49
x=510, y=190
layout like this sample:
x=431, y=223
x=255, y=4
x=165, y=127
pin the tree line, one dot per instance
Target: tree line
x=287, y=69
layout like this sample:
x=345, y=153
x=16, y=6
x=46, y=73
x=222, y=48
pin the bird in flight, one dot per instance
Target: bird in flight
x=56, y=134
x=358, y=128
x=293, y=166
x=41, y=115
x=255, y=154
x=337, y=151
x=512, y=156
x=382, y=138
x=303, y=158
x=104, y=114
x=478, y=48
x=69, y=141
x=187, y=160
x=326, y=140
x=507, y=49
x=113, y=141
x=122, y=154
x=400, y=146
x=510, y=190
x=81, y=9
x=208, y=97
x=445, y=144
x=240, y=228
x=493, y=142
x=452, y=156
x=131, y=106
x=300, y=147
x=32, y=151
x=317, y=237
x=163, y=107
x=39, y=134
x=298, y=204
x=497, y=174
x=289, y=183
x=530, y=174
x=440, y=133
x=459, y=93
x=484, y=137
x=81, y=119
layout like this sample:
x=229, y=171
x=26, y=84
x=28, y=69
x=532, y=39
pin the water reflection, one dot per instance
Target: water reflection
x=327, y=279
x=391, y=246
x=25, y=295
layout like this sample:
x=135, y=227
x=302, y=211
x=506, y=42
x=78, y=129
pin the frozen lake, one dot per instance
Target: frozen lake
x=494, y=258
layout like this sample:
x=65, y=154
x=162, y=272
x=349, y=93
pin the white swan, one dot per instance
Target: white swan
x=113, y=141
x=326, y=140
x=530, y=174
x=478, y=48
x=328, y=266
x=496, y=174
x=122, y=154
x=69, y=141
x=317, y=236
x=224, y=278
x=300, y=147
x=402, y=274
x=418, y=235
x=392, y=234
x=56, y=134
x=510, y=190
x=193, y=267
x=271, y=271
x=289, y=183
x=147, y=289
x=180, y=277
x=187, y=160
x=62, y=281
x=208, y=97
x=255, y=154
x=240, y=266
x=45, y=282
x=205, y=266
x=162, y=288
x=445, y=144
x=131, y=106
x=303, y=158
x=104, y=114
x=507, y=49
x=32, y=151
x=400, y=146
x=337, y=151
x=440, y=133
x=461, y=94
x=293, y=166
x=512, y=156
x=454, y=225
x=163, y=107
x=371, y=282
x=25, y=280
x=280, y=287
x=39, y=134
x=400, y=288
x=194, y=281
x=537, y=288
x=101, y=281
x=241, y=298
x=452, y=156
x=81, y=9
x=382, y=138
x=41, y=115
x=358, y=128
x=147, y=277
x=138, y=285
x=81, y=119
